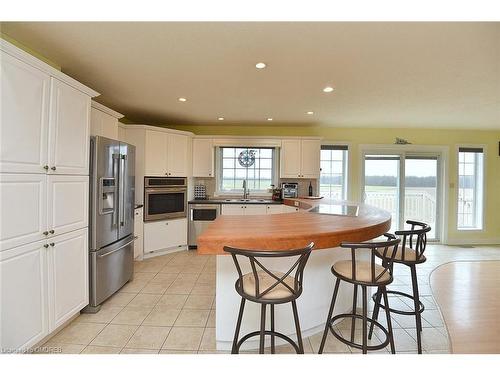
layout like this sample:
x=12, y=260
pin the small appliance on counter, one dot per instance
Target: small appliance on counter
x=200, y=192
x=290, y=190
x=277, y=194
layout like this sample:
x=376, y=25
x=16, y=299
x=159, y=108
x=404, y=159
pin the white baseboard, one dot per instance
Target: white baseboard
x=156, y=253
x=485, y=241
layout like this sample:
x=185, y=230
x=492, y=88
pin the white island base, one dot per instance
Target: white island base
x=312, y=305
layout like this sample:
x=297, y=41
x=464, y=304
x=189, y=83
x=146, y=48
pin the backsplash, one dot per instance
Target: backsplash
x=303, y=185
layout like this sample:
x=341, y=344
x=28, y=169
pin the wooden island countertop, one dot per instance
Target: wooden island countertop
x=294, y=230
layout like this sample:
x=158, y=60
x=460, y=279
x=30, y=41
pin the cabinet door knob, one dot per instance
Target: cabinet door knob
x=210, y=174
x=52, y=244
x=166, y=223
x=51, y=231
x=46, y=167
x=166, y=173
x=45, y=233
x=46, y=246
x=53, y=168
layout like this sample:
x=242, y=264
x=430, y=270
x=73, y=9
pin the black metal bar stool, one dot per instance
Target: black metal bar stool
x=410, y=254
x=363, y=273
x=269, y=288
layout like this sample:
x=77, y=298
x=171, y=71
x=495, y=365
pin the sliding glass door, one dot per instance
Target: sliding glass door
x=405, y=184
x=421, y=190
x=382, y=184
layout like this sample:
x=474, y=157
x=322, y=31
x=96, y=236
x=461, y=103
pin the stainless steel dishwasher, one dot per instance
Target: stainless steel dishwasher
x=200, y=216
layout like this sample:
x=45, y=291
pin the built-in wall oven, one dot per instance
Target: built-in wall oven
x=165, y=198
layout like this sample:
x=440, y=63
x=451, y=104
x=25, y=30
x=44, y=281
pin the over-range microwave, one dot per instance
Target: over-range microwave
x=165, y=198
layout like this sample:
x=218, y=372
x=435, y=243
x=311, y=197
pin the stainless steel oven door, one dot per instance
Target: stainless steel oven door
x=165, y=203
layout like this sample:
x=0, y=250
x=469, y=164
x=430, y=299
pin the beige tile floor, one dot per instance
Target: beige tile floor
x=169, y=307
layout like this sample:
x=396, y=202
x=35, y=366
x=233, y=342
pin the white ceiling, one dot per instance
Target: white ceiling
x=437, y=75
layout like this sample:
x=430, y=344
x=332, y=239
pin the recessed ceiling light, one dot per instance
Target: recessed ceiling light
x=182, y=99
x=310, y=112
x=328, y=89
x=260, y=65
x=269, y=119
x=220, y=118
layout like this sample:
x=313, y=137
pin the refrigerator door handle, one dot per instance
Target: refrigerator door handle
x=123, y=161
x=116, y=174
x=121, y=247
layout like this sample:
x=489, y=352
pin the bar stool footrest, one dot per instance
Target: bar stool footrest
x=356, y=345
x=396, y=311
x=266, y=333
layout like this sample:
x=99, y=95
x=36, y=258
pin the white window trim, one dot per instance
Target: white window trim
x=483, y=203
x=346, y=166
x=218, y=172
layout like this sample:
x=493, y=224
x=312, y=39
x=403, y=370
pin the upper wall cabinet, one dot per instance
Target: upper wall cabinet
x=104, y=121
x=166, y=154
x=203, y=157
x=24, y=116
x=178, y=155
x=44, y=118
x=310, y=158
x=300, y=158
x=69, y=130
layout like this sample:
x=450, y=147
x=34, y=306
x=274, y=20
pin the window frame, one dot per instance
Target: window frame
x=345, y=166
x=481, y=205
x=255, y=193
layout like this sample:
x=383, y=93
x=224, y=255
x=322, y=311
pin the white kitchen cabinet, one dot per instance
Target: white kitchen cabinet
x=139, y=233
x=24, y=116
x=68, y=203
x=23, y=198
x=274, y=209
x=300, y=158
x=177, y=155
x=244, y=209
x=166, y=154
x=233, y=209
x=203, y=157
x=156, y=153
x=69, y=130
x=165, y=235
x=23, y=296
x=287, y=209
x=255, y=209
x=104, y=121
x=310, y=158
x=290, y=158
x=68, y=272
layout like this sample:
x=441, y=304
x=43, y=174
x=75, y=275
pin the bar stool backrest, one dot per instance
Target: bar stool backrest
x=388, y=248
x=252, y=256
x=419, y=231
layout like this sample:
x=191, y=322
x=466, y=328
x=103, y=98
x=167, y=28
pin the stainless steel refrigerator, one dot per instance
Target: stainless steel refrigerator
x=112, y=190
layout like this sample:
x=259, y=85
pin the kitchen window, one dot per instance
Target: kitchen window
x=470, y=188
x=256, y=165
x=333, y=176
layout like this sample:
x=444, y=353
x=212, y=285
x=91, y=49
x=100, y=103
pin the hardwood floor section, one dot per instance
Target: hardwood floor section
x=468, y=294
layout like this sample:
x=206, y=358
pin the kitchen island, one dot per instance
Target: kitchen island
x=327, y=223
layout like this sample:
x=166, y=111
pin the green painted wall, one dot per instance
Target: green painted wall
x=29, y=50
x=358, y=136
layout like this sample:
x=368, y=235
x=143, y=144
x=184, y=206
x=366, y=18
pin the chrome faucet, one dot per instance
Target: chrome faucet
x=246, y=191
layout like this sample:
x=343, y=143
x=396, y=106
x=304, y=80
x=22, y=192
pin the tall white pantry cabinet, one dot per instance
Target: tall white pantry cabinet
x=44, y=183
